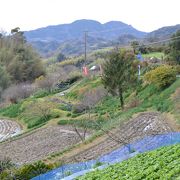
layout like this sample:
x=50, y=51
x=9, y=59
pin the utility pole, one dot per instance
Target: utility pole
x=85, y=70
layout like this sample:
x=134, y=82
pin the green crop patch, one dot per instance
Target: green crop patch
x=163, y=163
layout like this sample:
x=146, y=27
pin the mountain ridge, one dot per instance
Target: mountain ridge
x=163, y=32
x=76, y=28
x=47, y=40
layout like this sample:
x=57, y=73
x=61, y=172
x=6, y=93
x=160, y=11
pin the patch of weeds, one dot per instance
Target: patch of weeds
x=67, y=173
x=65, y=122
x=68, y=114
x=11, y=111
x=97, y=164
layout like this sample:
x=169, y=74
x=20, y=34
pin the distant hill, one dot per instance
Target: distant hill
x=69, y=38
x=64, y=32
x=49, y=38
x=162, y=33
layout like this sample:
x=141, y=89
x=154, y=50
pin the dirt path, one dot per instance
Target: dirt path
x=144, y=124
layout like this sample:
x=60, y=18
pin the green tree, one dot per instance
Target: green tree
x=61, y=57
x=119, y=73
x=134, y=45
x=19, y=58
x=174, y=49
x=4, y=78
x=15, y=30
x=143, y=49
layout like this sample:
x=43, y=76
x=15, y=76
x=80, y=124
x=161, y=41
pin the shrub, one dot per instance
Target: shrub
x=79, y=108
x=135, y=102
x=65, y=107
x=92, y=97
x=68, y=114
x=161, y=77
x=89, y=98
x=40, y=93
x=17, y=92
x=72, y=95
x=148, y=68
x=178, y=69
x=75, y=115
x=11, y=111
x=97, y=164
x=55, y=113
x=35, y=123
x=163, y=106
x=64, y=122
x=27, y=171
x=37, y=112
x=74, y=76
x=32, y=170
x=46, y=83
x=5, y=164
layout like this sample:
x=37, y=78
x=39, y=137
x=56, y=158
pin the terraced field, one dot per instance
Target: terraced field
x=45, y=141
x=8, y=129
x=150, y=123
x=38, y=144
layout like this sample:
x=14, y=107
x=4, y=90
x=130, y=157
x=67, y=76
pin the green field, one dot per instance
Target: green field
x=154, y=54
x=163, y=163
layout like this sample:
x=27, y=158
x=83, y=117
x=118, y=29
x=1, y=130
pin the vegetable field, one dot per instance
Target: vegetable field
x=163, y=163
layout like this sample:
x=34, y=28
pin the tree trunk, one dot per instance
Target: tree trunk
x=121, y=98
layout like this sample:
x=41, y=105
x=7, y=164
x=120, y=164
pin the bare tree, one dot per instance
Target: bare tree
x=91, y=98
x=81, y=132
x=46, y=83
x=54, y=76
x=39, y=109
x=17, y=92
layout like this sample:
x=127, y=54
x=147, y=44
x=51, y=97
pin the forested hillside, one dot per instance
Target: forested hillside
x=164, y=32
x=19, y=62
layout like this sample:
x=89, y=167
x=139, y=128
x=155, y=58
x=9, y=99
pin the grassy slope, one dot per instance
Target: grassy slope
x=109, y=114
x=163, y=163
x=148, y=97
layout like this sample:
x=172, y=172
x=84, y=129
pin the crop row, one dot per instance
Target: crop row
x=163, y=163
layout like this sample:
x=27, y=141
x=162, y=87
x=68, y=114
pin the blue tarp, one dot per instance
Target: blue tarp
x=140, y=146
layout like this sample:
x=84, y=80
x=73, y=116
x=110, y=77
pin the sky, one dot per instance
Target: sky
x=144, y=15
